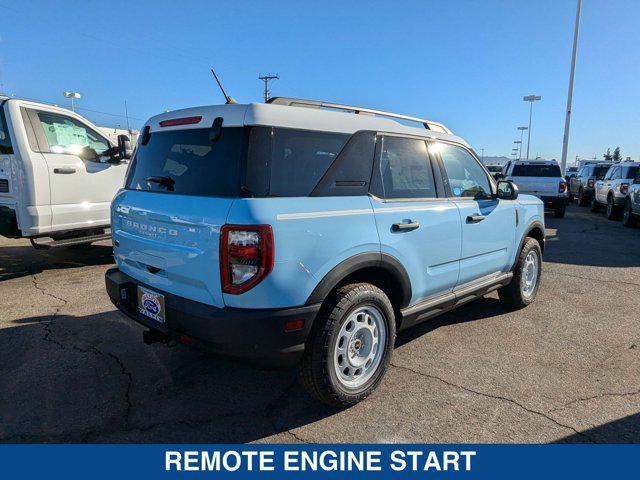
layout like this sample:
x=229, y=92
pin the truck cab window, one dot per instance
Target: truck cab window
x=5, y=141
x=68, y=135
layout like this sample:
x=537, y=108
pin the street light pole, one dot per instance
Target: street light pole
x=530, y=99
x=567, y=122
x=71, y=96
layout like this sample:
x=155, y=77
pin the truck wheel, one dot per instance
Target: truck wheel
x=581, y=200
x=628, y=218
x=612, y=211
x=350, y=346
x=560, y=210
x=595, y=206
x=526, y=277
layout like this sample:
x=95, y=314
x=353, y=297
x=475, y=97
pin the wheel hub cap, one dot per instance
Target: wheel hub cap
x=529, y=274
x=360, y=346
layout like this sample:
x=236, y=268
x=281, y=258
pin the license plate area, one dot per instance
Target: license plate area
x=151, y=304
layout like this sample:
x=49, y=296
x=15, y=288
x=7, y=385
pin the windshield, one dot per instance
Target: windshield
x=539, y=170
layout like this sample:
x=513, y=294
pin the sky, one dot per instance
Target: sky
x=464, y=63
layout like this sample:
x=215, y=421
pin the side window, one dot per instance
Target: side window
x=5, y=141
x=465, y=176
x=68, y=135
x=405, y=168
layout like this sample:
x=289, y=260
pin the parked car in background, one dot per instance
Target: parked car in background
x=58, y=175
x=631, y=210
x=582, y=185
x=542, y=179
x=613, y=188
x=293, y=234
x=569, y=174
x=496, y=171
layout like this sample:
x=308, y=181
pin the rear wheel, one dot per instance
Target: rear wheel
x=628, y=218
x=612, y=211
x=595, y=206
x=560, y=210
x=526, y=277
x=582, y=201
x=350, y=346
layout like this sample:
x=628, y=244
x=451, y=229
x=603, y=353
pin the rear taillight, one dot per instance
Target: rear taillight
x=246, y=256
x=624, y=188
x=173, y=122
x=562, y=187
x=591, y=182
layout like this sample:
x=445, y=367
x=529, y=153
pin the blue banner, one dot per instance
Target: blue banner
x=318, y=461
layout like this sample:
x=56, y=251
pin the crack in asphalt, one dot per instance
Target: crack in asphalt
x=48, y=337
x=497, y=397
x=601, y=280
x=595, y=397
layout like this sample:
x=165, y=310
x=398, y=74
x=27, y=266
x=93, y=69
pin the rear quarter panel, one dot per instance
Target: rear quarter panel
x=311, y=236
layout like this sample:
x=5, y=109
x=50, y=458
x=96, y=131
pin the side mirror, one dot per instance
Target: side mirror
x=507, y=190
x=124, y=147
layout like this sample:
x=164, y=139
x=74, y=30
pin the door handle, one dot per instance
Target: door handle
x=475, y=218
x=404, y=226
x=64, y=170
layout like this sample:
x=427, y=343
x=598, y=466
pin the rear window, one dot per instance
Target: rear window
x=629, y=172
x=256, y=161
x=5, y=141
x=541, y=170
x=600, y=172
x=188, y=162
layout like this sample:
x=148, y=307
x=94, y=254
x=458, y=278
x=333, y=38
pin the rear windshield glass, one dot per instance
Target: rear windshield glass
x=600, y=172
x=5, y=142
x=542, y=170
x=188, y=162
x=256, y=161
x=629, y=172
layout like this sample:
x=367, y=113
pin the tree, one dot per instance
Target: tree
x=616, y=155
x=607, y=156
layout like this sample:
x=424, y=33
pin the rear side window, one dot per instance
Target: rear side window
x=541, y=170
x=188, y=162
x=286, y=162
x=405, y=168
x=600, y=172
x=5, y=141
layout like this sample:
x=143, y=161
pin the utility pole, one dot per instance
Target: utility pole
x=530, y=99
x=126, y=113
x=567, y=122
x=266, y=79
x=522, y=129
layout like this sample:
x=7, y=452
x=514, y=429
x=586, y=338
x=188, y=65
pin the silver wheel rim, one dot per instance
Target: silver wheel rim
x=359, y=347
x=529, y=278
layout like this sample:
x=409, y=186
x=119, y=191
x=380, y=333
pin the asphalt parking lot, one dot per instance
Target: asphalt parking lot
x=566, y=369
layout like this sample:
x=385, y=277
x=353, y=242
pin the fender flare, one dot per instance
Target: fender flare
x=530, y=227
x=358, y=262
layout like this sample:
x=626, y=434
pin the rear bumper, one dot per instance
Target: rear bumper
x=255, y=335
x=553, y=202
x=8, y=222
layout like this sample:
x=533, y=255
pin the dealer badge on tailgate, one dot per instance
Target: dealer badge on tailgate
x=151, y=304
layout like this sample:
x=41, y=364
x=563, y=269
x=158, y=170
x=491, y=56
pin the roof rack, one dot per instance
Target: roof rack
x=300, y=102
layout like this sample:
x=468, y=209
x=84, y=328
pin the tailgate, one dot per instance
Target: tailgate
x=539, y=186
x=171, y=242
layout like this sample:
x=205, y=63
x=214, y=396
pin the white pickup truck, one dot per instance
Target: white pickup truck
x=542, y=179
x=58, y=175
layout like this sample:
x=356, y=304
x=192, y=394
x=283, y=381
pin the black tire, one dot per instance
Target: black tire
x=560, y=210
x=316, y=372
x=512, y=295
x=595, y=206
x=582, y=201
x=628, y=218
x=612, y=210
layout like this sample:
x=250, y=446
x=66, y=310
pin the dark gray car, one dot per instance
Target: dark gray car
x=582, y=185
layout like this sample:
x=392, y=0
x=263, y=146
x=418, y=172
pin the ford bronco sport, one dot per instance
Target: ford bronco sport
x=290, y=235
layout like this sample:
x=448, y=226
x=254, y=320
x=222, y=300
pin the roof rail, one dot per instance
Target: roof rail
x=301, y=102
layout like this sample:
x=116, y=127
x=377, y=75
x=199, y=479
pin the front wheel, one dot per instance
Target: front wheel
x=350, y=346
x=526, y=277
x=628, y=218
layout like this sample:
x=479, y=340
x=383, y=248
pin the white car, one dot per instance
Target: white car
x=612, y=190
x=542, y=179
x=58, y=175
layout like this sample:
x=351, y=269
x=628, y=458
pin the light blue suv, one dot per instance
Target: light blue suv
x=306, y=233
